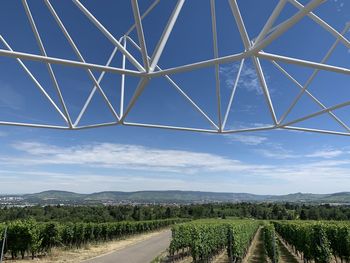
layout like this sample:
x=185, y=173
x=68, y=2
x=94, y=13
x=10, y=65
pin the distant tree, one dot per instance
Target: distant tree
x=168, y=213
x=302, y=215
x=136, y=214
x=313, y=213
x=212, y=212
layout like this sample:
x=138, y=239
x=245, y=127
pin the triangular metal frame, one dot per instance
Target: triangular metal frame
x=149, y=68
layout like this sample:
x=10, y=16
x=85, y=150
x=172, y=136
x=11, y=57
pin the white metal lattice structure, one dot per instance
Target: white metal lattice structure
x=148, y=68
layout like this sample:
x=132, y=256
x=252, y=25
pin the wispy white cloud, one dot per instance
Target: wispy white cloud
x=325, y=154
x=40, y=180
x=277, y=153
x=134, y=167
x=275, y=150
x=339, y=4
x=10, y=98
x=247, y=139
x=123, y=156
x=248, y=78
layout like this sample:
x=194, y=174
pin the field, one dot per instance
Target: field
x=204, y=239
x=261, y=241
x=200, y=233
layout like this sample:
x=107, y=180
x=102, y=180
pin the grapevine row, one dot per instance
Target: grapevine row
x=270, y=242
x=317, y=241
x=32, y=237
x=205, y=238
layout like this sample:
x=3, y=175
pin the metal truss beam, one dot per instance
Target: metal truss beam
x=149, y=68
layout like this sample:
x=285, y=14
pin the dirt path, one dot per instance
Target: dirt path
x=256, y=253
x=285, y=255
x=221, y=258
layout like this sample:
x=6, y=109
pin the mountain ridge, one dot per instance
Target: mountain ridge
x=177, y=196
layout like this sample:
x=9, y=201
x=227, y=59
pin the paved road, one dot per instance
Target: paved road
x=142, y=252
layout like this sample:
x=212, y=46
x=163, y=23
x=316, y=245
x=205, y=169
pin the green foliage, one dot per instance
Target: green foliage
x=36, y=237
x=19, y=237
x=339, y=236
x=99, y=213
x=270, y=242
x=321, y=249
x=317, y=240
x=50, y=236
x=31, y=237
x=243, y=233
x=205, y=238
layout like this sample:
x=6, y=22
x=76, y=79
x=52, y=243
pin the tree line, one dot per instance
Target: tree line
x=266, y=211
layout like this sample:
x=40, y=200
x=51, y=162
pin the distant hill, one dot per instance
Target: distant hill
x=56, y=197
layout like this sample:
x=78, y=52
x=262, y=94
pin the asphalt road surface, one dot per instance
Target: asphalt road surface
x=142, y=252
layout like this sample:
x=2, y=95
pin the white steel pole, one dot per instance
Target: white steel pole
x=111, y=38
x=335, y=107
x=122, y=84
x=77, y=52
x=140, y=34
x=304, y=63
x=36, y=82
x=312, y=77
x=314, y=130
x=43, y=52
x=216, y=55
x=67, y=62
x=310, y=95
x=166, y=34
x=182, y=93
x=284, y=26
x=228, y=109
x=155, y=57
x=276, y=12
x=245, y=38
x=323, y=24
x=149, y=9
x=88, y=100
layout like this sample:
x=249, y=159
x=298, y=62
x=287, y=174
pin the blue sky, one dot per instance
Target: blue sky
x=130, y=158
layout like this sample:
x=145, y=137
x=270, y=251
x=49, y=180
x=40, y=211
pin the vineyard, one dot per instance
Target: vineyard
x=310, y=241
x=269, y=237
x=317, y=241
x=200, y=240
x=31, y=238
x=203, y=239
